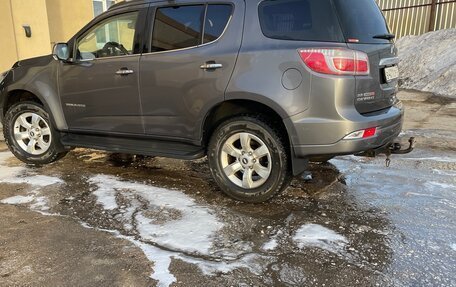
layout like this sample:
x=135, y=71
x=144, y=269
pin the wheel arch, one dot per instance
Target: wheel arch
x=20, y=95
x=235, y=107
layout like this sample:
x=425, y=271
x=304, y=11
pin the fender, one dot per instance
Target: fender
x=299, y=165
x=278, y=109
x=38, y=76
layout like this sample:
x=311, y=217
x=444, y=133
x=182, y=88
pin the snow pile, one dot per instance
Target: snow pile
x=428, y=62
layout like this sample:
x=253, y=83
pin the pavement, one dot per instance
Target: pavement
x=96, y=219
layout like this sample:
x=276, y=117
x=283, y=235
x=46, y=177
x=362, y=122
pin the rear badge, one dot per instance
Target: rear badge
x=363, y=97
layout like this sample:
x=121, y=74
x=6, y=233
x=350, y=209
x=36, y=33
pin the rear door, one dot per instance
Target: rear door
x=192, y=52
x=365, y=29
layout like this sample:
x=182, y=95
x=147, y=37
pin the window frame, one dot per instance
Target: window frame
x=151, y=21
x=138, y=35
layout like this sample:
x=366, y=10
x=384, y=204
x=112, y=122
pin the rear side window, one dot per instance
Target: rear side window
x=302, y=20
x=217, y=18
x=361, y=20
x=179, y=27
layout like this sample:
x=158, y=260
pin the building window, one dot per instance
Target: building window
x=100, y=6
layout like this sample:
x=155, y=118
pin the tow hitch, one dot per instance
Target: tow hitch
x=388, y=150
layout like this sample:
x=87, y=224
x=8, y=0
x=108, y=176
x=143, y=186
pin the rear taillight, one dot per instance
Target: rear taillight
x=336, y=61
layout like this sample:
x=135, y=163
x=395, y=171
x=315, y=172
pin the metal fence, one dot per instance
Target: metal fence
x=415, y=17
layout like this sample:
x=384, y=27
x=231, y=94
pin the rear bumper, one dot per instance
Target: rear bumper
x=316, y=137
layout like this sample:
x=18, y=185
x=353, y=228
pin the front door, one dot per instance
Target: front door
x=192, y=53
x=99, y=91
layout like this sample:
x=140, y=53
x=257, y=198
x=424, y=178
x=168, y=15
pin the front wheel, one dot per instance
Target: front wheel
x=248, y=159
x=29, y=134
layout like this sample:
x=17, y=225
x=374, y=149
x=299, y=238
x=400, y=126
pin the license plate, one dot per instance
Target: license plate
x=391, y=73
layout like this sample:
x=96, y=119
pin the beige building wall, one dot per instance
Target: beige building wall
x=66, y=17
x=7, y=42
x=33, y=13
x=51, y=21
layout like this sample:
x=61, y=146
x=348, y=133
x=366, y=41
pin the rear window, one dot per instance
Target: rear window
x=302, y=20
x=361, y=20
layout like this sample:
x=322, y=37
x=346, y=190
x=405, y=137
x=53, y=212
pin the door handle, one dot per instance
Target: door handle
x=124, y=72
x=211, y=66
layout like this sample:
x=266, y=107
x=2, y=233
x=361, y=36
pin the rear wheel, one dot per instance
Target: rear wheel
x=29, y=134
x=248, y=159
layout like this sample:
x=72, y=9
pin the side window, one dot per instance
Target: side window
x=110, y=38
x=181, y=27
x=217, y=18
x=177, y=27
x=302, y=20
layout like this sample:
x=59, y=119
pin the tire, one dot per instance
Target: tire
x=26, y=123
x=239, y=148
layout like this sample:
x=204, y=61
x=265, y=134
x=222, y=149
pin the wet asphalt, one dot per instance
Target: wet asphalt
x=96, y=219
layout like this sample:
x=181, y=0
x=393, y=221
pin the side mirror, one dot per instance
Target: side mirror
x=60, y=52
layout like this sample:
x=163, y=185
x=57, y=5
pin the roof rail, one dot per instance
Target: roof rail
x=124, y=2
x=120, y=3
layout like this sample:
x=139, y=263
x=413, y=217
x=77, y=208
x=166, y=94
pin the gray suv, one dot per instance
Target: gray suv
x=259, y=86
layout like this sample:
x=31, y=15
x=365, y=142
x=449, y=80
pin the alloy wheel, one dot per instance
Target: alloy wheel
x=32, y=133
x=246, y=160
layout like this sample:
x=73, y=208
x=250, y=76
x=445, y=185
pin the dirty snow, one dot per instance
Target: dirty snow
x=173, y=225
x=34, y=180
x=273, y=243
x=18, y=199
x=173, y=221
x=428, y=62
x=314, y=235
x=169, y=225
x=389, y=189
x=8, y=172
x=21, y=175
x=183, y=225
x=270, y=245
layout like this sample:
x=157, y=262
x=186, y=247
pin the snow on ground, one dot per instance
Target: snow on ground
x=172, y=219
x=21, y=175
x=271, y=244
x=428, y=62
x=18, y=199
x=172, y=225
x=169, y=225
x=409, y=184
x=314, y=235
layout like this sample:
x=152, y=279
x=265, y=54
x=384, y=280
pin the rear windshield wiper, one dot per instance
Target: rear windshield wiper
x=385, y=36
